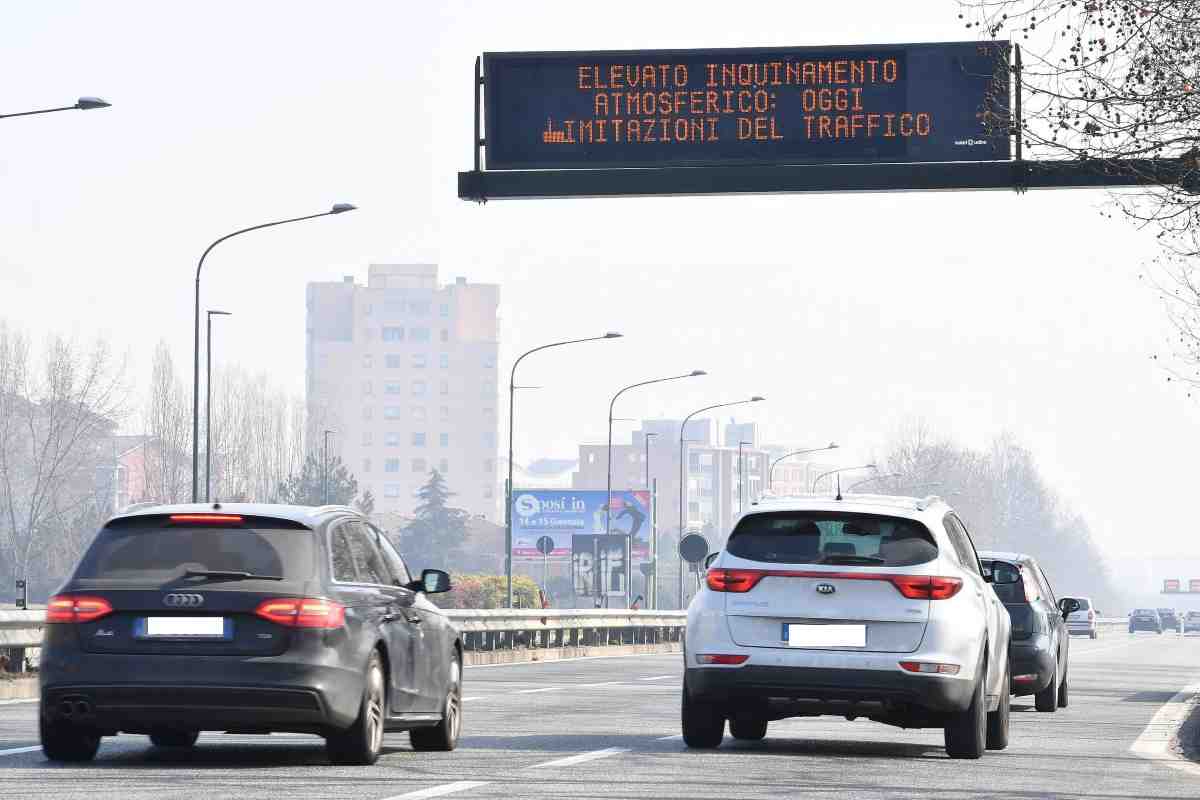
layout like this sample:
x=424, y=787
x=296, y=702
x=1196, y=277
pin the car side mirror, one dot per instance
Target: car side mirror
x=1068, y=606
x=434, y=581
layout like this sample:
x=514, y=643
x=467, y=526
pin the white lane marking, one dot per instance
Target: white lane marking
x=18, y=750
x=18, y=701
x=657, y=678
x=1155, y=740
x=472, y=697
x=574, y=658
x=438, y=791
x=543, y=689
x=582, y=757
x=594, y=685
x=669, y=738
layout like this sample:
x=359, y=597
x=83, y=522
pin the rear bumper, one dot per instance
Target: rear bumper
x=1031, y=659
x=1144, y=626
x=933, y=693
x=138, y=693
x=1081, y=627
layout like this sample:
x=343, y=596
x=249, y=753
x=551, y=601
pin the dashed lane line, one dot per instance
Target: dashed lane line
x=439, y=791
x=595, y=685
x=582, y=757
x=13, y=751
x=543, y=689
x=658, y=677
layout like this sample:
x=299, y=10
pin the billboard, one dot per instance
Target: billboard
x=787, y=105
x=1170, y=585
x=563, y=514
x=1194, y=585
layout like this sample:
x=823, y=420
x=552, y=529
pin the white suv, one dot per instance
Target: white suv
x=868, y=606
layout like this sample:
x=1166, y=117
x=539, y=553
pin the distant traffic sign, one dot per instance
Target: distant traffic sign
x=693, y=548
x=783, y=105
x=545, y=545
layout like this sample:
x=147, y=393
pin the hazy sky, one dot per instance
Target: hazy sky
x=977, y=312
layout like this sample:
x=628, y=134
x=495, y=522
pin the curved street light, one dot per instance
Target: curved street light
x=852, y=486
x=771, y=472
x=512, y=393
x=817, y=480
x=682, y=466
x=82, y=104
x=338, y=208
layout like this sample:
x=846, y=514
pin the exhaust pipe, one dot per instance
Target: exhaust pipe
x=83, y=708
x=66, y=708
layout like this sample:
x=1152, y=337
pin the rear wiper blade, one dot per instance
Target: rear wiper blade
x=848, y=559
x=229, y=574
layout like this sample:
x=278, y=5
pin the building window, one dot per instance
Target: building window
x=489, y=465
x=488, y=493
x=367, y=389
x=444, y=387
x=489, y=413
x=418, y=413
x=418, y=439
x=391, y=439
x=444, y=360
x=418, y=307
x=367, y=309
x=366, y=467
x=368, y=334
x=444, y=310
x=366, y=439
x=591, y=458
x=419, y=388
x=419, y=334
x=391, y=412
x=367, y=361
x=418, y=465
x=444, y=413
x=392, y=361
x=391, y=490
x=393, y=333
x=443, y=466
x=420, y=360
x=489, y=361
x=366, y=412
x=445, y=334
x=391, y=465
x=489, y=388
x=393, y=387
x=443, y=440
x=489, y=439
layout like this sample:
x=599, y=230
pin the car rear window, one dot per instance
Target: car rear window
x=820, y=537
x=1084, y=604
x=154, y=549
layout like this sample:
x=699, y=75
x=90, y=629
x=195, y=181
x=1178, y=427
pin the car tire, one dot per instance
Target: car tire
x=174, y=738
x=361, y=743
x=62, y=741
x=750, y=729
x=443, y=737
x=1096, y=634
x=966, y=732
x=703, y=723
x=1063, y=694
x=997, y=721
x=1046, y=700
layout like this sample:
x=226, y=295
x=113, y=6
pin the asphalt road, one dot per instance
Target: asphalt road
x=609, y=728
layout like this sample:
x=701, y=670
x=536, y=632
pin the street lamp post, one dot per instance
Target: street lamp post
x=325, y=469
x=336, y=209
x=741, y=476
x=771, y=472
x=817, y=480
x=508, y=489
x=683, y=465
x=652, y=589
x=82, y=104
x=208, y=405
x=696, y=373
x=856, y=484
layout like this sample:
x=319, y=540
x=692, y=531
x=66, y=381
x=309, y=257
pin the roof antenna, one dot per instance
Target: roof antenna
x=839, y=487
x=216, y=505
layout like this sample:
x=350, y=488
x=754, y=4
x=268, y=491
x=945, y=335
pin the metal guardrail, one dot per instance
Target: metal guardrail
x=21, y=628
x=503, y=629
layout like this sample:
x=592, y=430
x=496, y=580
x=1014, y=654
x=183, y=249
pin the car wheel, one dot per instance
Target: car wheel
x=1047, y=699
x=1096, y=634
x=748, y=728
x=997, y=721
x=362, y=741
x=444, y=735
x=1062, y=689
x=966, y=732
x=62, y=741
x=703, y=723
x=174, y=738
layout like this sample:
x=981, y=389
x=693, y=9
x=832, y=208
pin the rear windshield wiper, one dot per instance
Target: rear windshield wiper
x=232, y=575
x=849, y=559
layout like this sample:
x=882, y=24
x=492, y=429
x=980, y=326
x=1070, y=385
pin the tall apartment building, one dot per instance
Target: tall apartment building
x=404, y=371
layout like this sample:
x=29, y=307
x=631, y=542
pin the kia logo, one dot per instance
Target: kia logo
x=826, y=588
x=180, y=600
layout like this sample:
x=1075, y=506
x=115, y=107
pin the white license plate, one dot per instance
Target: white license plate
x=827, y=635
x=185, y=626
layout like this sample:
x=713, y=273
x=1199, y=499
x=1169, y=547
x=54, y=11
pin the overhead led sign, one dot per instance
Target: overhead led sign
x=802, y=105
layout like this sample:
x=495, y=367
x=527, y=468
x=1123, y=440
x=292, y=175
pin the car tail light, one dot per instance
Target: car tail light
x=929, y=668
x=74, y=608
x=926, y=587
x=1024, y=678
x=721, y=658
x=302, y=612
x=206, y=519
x=734, y=580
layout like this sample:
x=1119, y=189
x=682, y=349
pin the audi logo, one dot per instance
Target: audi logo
x=181, y=600
x=826, y=588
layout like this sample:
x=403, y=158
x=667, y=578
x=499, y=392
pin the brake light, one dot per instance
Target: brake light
x=303, y=612
x=929, y=668
x=734, y=580
x=72, y=608
x=926, y=587
x=721, y=658
x=207, y=519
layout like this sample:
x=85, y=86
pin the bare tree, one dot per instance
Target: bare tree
x=167, y=419
x=57, y=408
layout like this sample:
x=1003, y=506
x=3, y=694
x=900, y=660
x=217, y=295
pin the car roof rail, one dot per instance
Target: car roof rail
x=329, y=509
x=928, y=502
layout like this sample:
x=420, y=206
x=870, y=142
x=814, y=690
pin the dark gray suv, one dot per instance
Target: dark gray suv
x=248, y=619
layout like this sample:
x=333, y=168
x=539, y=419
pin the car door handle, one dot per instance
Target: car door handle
x=390, y=617
x=415, y=619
